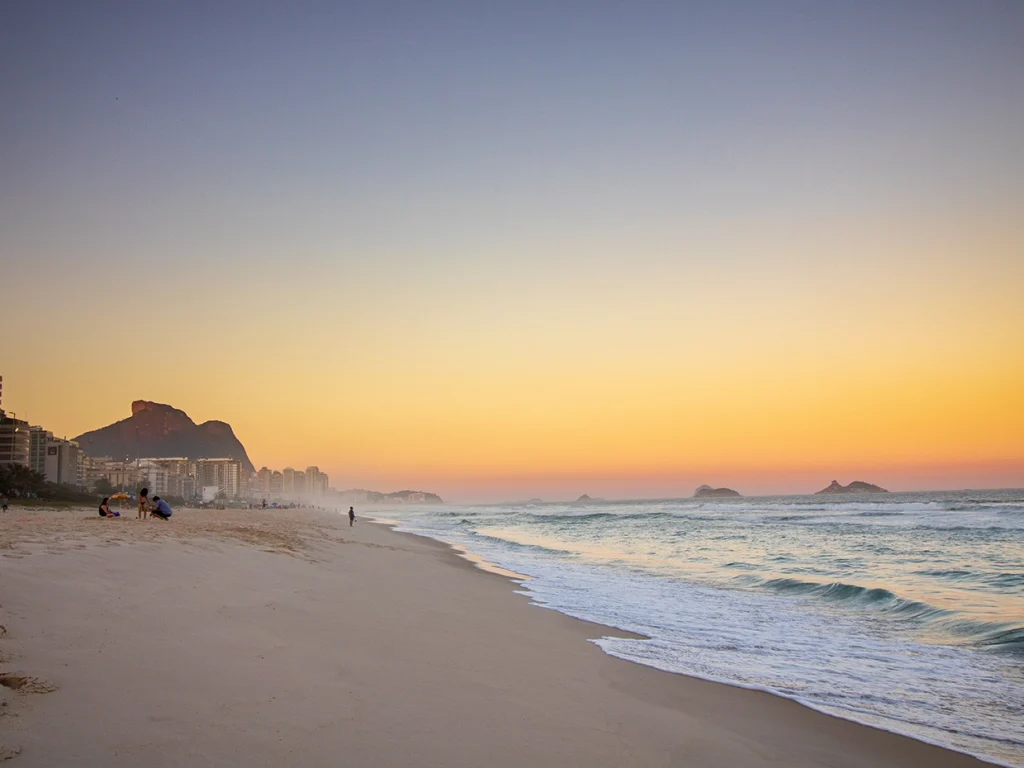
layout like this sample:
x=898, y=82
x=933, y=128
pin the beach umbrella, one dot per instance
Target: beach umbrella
x=121, y=495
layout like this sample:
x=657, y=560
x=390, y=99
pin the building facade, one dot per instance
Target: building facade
x=263, y=481
x=121, y=474
x=223, y=474
x=62, y=460
x=14, y=441
x=169, y=476
x=316, y=483
x=37, y=440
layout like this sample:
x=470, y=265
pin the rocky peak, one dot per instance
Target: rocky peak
x=155, y=430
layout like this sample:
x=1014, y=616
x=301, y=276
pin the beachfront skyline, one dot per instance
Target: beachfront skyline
x=503, y=252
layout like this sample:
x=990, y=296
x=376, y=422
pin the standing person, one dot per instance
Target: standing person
x=351, y=516
x=143, y=502
x=161, y=509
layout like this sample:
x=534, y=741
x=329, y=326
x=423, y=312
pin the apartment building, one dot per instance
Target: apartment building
x=169, y=476
x=14, y=440
x=62, y=460
x=316, y=483
x=223, y=474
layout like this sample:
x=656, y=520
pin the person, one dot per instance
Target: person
x=143, y=502
x=161, y=509
x=264, y=503
x=3, y=503
x=106, y=511
x=351, y=516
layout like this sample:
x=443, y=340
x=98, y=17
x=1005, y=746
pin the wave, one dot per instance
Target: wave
x=949, y=574
x=583, y=517
x=984, y=634
x=840, y=591
x=1005, y=641
x=1000, y=580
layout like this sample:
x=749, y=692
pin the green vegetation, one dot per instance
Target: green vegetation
x=17, y=481
x=103, y=487
x=68, y=493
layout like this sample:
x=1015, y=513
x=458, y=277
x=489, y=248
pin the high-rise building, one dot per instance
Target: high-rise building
x=121, y=474
x=169, y=476
x=14, y=441
x=276, y=483
x=263, y=480
x=14, y=437
x=288, y=482
x=61, y=461
x=299, y=485
x=316, y=483
x=37, y=440
x=247, y=489
x=223, y=474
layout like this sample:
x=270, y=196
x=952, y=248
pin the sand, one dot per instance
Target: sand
x=286, y=638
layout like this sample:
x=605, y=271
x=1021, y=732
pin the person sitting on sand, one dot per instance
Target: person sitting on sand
x=161, y=509
x=106, y=511
x=143, y=503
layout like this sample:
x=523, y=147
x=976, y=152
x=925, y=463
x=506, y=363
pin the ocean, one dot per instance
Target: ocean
x=904, y=611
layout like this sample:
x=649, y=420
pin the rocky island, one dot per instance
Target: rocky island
x=707, y=492
x=856, y=486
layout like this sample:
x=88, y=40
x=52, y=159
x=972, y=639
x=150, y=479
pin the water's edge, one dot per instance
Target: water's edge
x=522, y=581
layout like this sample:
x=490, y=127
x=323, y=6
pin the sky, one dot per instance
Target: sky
x=504, y=250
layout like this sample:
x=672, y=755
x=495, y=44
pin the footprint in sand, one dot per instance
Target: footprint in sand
x=6, y=753
x=26, y=684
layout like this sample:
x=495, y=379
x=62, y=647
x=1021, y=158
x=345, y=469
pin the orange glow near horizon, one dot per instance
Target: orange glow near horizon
x=421, y=258
x=910, y=383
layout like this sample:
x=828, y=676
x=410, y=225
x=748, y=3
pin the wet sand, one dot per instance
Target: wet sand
x=285, y=637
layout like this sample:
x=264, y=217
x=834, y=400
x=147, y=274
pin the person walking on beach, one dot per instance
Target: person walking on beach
x=161, y=509
x=351, y=516
x=143, y=503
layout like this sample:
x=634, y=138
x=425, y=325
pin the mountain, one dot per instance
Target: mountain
x=707, y=492
x=855, y=487
x=157, y=431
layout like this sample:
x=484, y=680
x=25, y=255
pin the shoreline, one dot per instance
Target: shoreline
x=479, y=563
x=195, y=640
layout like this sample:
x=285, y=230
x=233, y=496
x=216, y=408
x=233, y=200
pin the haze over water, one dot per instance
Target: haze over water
x=904, y=611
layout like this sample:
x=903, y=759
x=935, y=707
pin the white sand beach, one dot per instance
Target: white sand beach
x=267, y=638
